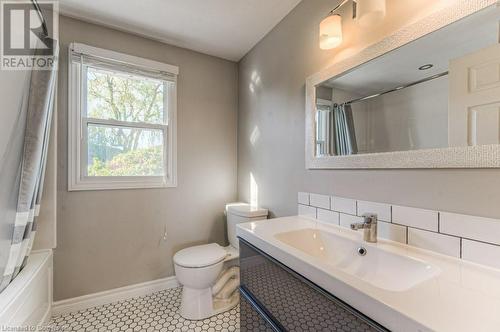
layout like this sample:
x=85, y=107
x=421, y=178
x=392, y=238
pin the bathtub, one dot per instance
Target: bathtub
x=27, y=301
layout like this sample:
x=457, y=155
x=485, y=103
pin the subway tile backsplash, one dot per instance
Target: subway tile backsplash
x=346, y=220
x=319, y=201
x=393, y=232
x=443, y=244
x=382, y=210
x=306, y=211
x=481, y=253
x=328, y=216
x=417, y=218
x=475, y=228
x=471, y=238
x=344, y=205
x=303, y=198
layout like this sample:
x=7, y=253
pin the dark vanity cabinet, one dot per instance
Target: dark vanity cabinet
x=275, y=298
x=251, y=319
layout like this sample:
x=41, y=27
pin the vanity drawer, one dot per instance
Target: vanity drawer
x=293, y=301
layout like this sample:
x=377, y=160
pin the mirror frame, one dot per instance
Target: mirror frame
x=483, y=156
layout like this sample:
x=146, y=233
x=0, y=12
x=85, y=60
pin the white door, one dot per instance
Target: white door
x=474, y=105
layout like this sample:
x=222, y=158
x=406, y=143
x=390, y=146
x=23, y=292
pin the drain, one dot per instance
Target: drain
x=362, y=251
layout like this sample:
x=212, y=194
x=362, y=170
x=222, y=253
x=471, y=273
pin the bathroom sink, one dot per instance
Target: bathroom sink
x=378, y=267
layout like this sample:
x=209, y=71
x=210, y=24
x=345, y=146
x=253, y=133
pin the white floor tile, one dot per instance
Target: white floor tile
x=155, y=312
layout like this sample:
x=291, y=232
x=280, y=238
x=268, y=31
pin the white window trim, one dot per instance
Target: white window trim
x=76, y=180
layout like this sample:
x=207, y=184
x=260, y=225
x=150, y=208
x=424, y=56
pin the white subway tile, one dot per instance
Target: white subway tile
x=383, y=211
x=391, y=232
x=328, y=216
x=303, y=198
x=413, y=217
x=346, y=220
x=321, y=201
x=476, y=228
x=344, y=205
x=306, y=211
x=481, y=253
x=444, y=244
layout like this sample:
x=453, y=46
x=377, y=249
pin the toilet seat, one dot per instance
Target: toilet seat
x=200, y=256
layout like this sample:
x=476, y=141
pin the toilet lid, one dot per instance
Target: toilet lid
x=200, y=256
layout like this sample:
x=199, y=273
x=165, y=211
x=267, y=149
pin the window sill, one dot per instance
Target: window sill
x=116, y=184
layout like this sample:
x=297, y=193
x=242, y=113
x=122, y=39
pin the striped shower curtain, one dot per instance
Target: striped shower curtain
x=345, y=136
x=22, y=169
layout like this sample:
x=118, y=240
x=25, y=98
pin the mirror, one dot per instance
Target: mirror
x=439, y=91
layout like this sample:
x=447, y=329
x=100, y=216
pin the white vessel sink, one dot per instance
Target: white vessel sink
x=378, y=267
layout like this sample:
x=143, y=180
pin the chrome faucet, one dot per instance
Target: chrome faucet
x=369, y=227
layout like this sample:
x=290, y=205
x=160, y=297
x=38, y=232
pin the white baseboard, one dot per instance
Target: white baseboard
x=112, y=295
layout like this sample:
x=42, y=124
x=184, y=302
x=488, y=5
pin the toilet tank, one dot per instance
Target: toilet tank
x=237, y=213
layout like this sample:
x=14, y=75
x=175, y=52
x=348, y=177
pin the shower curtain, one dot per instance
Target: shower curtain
x=22, y=169
x=345, y=136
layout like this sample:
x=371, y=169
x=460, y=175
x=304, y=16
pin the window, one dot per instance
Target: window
x=122, y=121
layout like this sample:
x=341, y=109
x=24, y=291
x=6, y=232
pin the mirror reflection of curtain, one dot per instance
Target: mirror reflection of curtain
x=22, y=169
x=345, y=136
x=323, y=129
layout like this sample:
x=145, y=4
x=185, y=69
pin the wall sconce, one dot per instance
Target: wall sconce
x=366, y=13
x=330, y=32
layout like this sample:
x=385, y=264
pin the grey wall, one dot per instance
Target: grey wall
x=271, y=102
x=109, y=239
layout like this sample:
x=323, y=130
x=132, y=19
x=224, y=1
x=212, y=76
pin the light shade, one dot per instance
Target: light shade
x=370, y=12
x=330, y=32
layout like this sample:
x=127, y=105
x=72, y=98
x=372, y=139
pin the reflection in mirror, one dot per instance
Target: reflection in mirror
x=438, y=91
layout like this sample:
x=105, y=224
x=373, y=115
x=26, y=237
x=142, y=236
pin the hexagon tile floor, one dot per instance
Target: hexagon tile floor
x=155, y=312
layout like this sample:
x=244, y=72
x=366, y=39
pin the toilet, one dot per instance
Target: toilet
x=209, y=273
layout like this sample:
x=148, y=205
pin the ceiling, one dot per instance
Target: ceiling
x=400, y=66
x=223, y=28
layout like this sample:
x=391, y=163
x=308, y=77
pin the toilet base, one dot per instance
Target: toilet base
x=221, y=306
x=198, y=304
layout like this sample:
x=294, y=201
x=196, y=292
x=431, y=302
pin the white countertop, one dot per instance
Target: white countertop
x=462, y=297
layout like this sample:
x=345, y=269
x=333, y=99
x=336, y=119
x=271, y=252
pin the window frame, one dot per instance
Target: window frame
x=78, y=120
